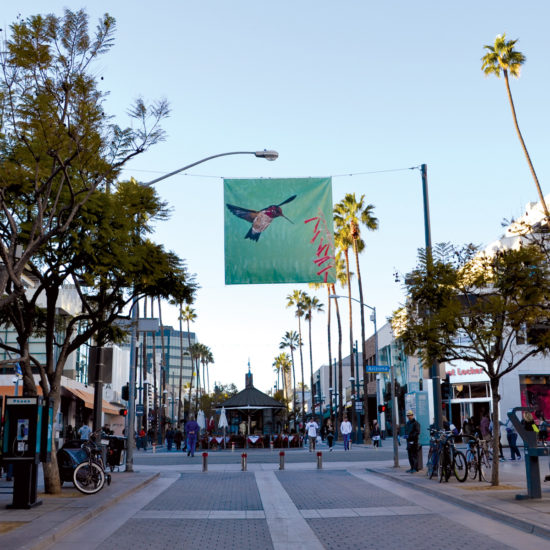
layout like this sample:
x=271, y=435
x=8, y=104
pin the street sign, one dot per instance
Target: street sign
x=359, y=406
x=139, y=410
x=377, y=368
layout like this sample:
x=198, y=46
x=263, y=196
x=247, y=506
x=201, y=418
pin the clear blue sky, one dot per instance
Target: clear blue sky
x=336, y=88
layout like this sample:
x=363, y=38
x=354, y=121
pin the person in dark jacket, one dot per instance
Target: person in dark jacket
x=192, y=430
x=178, y=438
x=412, y=432
x=169, y=435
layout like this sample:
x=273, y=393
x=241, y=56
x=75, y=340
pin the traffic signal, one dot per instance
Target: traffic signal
x=445, y=389
x=382, y=408
x=125, y=393
x=123, y=412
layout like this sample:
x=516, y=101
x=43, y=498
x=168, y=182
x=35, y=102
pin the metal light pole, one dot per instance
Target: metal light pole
x=394, y=420
x=434, y=367
x=266, y=154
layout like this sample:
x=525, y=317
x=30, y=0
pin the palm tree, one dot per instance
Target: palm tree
x=342, y=278
x=502, y=57
x=291, y=340
x=162, y=369
x=350, y=213
x=195, y=351
x=343, y=242
x=282, y=366
x=297, y=299
x=188, y=314
x=206, y=359
x=311, y=305
x=328, y=286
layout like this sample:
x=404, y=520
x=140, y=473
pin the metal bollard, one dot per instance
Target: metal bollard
x=154, y=447
x=319, y=460
x=271, y=445
x=205, y=462
x=243, y=462
x=282, y=460
x=233, y=447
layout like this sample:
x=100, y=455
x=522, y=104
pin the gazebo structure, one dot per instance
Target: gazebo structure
x=259, y=412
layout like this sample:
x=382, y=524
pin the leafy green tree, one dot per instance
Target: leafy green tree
x=470, y=306
x=502, y=57
x=57, y=144
x=349, y=215
x=108, y=265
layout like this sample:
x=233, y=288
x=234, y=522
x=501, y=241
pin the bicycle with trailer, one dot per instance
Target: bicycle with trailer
x=84, y=465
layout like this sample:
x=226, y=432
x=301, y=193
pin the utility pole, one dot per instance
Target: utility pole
x=434, y=368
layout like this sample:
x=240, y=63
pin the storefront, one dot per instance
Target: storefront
x=535, y=392
x=470, y=393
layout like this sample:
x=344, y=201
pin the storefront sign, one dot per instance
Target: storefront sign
x=462, y=372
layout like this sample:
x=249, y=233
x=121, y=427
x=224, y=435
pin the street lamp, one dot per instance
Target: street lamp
x=355, y=390
x=373, y=319
x=266, y=154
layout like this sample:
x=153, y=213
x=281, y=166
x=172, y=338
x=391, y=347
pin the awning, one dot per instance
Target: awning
x=88, y=399
x=10, y=390
x=85, y=396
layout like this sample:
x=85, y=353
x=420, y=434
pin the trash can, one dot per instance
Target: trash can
x=116, y=455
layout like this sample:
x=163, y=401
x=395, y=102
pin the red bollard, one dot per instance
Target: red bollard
x=319, y=460
x=205, y=462
x=282, y=460
x=243, y=462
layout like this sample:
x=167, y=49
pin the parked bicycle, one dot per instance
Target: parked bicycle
x=479, y=458
x=89, y=476
x=451, y=460
x=433, y=453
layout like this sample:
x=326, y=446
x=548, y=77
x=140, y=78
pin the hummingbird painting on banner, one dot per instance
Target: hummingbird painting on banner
x=288, y=241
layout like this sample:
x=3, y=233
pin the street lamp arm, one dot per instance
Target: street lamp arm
x=268, y=155
x=354, y=299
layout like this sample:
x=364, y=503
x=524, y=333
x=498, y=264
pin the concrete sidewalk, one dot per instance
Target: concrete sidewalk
x=42, y=525
x=498, y=503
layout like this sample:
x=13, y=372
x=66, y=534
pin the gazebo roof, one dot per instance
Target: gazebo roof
x=251, y=398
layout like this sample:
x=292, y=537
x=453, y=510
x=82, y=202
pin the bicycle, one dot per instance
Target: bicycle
x=479, y=458
x=89, y=476
x=451, y=460
x=434, y=452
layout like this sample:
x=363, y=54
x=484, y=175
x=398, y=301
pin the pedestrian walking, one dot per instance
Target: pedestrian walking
x=192, y=430
x=178, y=438
x=345, y=430
x=412, y=432
x=375, y=434
x=142, y=438
x=169, y=435
x=311, y=429
x=543, y=429
x=330, y=435
x=512, y=437
x=84, y=431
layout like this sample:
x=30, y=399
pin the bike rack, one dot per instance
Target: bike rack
x=531, y=454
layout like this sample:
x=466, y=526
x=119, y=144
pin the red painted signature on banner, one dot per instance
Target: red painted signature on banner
x=325, y=246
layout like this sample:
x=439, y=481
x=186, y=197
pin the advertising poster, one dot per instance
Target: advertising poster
x=278, y=231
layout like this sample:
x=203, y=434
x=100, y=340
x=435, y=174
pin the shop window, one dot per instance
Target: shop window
x=479, y=390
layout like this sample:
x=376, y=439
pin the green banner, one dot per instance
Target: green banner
x=278, y=231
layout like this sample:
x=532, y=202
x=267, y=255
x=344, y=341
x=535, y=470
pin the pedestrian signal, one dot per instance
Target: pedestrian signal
x=382, y=408
x=123, y=412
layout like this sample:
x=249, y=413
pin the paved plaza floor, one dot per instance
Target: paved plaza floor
x=356, y=501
